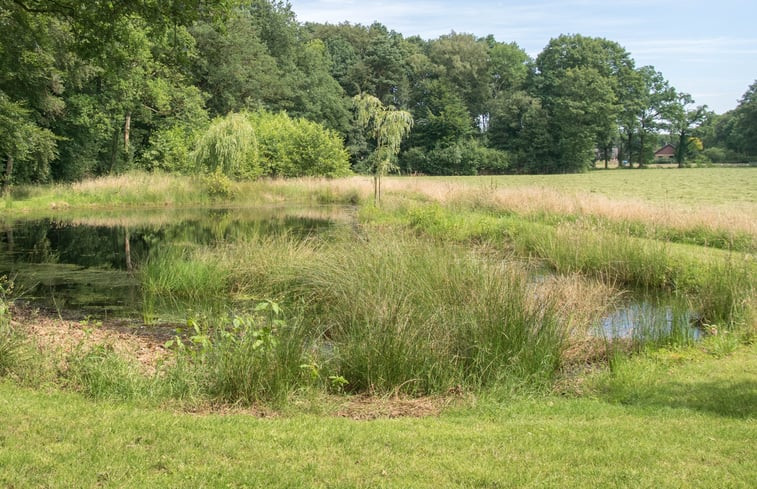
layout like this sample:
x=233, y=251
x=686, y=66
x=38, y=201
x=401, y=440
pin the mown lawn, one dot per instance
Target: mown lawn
x=694, y=186
x=683, y=418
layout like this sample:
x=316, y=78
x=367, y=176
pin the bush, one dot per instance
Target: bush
x=230, y=146
x=170, y=150
x=298, y=147
x=247, y=358
x=462, y=158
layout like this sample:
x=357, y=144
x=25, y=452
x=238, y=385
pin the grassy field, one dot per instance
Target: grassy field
x=682, y=418
x=467, y=301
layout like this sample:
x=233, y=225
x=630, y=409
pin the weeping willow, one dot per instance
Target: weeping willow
x=388, y=126
x=229, y=146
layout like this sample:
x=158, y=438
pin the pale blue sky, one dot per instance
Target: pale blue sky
x=705, y=48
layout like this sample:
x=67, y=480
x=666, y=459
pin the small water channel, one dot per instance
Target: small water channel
x=646, y=318
x=90, y=264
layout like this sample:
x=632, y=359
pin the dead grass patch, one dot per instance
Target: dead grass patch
x=59, y=337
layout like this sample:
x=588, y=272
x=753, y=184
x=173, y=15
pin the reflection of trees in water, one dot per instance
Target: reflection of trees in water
x=124, y=247
x=93, y=261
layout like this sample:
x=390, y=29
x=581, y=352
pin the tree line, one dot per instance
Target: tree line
x=101, y=87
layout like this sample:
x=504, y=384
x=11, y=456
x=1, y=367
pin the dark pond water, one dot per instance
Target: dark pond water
x=89, y=264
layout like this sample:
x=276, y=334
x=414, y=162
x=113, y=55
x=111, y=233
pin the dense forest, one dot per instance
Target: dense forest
x=101, y=87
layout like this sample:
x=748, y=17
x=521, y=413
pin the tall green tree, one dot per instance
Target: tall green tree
x=25, y=148
x=465, y=65
x=577, y=80
x=745, y=122
x=683, y=121
x=653, y=110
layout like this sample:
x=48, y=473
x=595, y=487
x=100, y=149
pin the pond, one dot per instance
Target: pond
x=90, y=264
x=651, y=319
x=93, y=265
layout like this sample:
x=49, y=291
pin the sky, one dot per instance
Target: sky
x=705, y=48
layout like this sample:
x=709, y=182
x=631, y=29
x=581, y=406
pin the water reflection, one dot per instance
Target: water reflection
x=87, y=263
x=652, y=320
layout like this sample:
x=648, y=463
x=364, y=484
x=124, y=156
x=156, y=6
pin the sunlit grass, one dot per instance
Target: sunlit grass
x=678, y=418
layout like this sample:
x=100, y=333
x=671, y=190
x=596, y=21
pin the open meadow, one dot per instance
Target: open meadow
x=578, y=330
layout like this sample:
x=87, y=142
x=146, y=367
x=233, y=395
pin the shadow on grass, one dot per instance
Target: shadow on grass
x=730, y=399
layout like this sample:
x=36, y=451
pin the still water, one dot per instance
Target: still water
x=90, y=264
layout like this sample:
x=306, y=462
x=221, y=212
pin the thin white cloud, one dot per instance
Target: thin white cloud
x=720, y=46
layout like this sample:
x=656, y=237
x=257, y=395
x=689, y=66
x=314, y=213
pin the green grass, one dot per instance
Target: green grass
x=679, y=185
x=690, y=422
x=402, y=313
x=387, y=312
x=426, y=295
x=719, y=284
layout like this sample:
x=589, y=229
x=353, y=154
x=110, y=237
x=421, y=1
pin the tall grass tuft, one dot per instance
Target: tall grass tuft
x=11, y=341
x=401, y=313
x=177, y=277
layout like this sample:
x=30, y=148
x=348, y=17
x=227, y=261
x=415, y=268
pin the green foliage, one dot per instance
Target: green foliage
x=463, y=158
x=11, y=342
x=170, y=150
x=230, y=146
x=248, y=358
x=298, y=147
x=26, y=149
x=388, y=127
x=218, y=186
x=738, y=126
x=716, y=155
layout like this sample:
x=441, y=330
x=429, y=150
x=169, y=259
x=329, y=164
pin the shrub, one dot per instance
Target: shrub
x=462, y=158
x=298, y=147
x=170, y=150
x=246, y=358
x=230, y=146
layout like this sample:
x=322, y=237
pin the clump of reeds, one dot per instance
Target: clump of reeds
x=399, y=313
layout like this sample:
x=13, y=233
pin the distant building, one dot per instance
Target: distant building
x=665, y=154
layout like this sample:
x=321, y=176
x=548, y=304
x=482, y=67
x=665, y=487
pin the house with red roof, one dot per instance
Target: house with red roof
x=666, y=154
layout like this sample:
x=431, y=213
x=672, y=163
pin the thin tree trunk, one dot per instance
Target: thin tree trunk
x=114, y=151
x=641, y=150
x=8, y=173
x=127, y=129
x=127, y=251
x=375, y=187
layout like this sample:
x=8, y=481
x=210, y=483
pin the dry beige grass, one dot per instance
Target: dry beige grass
x=57, y=338
x=141, y=188
x=739, y=217
x=134, y=183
